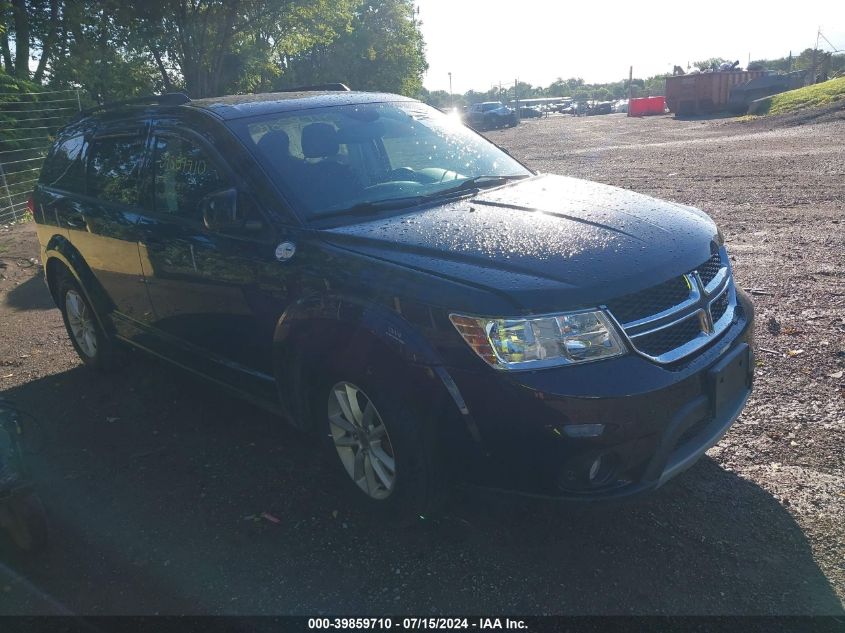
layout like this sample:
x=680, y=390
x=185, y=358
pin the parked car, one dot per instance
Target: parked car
x=603, y=107
x=385, y=278
x=527, y=112
x=490, y=115
x=620, y=106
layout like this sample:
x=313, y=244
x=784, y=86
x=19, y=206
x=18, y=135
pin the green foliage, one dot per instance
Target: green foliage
x=102, y=54
x=827, y=64
x=16, y=95
x=814, y=96
x=382, y=50
x=710, y=64
x=27, y=132
x=116, y=49
x=441, y=98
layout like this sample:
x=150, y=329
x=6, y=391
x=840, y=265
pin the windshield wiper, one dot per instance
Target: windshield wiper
x=368, y=208
x=477, y=182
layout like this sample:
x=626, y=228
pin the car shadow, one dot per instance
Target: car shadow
x=167, y=496
x=31, y=294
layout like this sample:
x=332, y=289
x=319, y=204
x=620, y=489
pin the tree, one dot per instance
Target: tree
x=33, y=26
x=382, y=50
x=205, y=47
x=220, y=46
x=710, y=64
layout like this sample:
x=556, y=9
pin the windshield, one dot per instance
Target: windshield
x=367, y=156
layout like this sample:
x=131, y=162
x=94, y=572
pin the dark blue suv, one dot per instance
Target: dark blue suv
x=380, y=275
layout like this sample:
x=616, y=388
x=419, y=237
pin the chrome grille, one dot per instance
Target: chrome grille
x=674, y=319
x=709, y=269
x=650, y=301
x=720, y=306
x=665, y=340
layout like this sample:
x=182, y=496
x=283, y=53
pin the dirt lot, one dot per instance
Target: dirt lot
x=153, y=479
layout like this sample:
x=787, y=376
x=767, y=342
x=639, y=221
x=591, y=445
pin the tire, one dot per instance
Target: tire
x=27, y=523
x=93, y=346
x=397, y=472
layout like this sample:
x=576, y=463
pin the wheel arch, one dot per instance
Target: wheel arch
x=61, y=256
x=310, y=332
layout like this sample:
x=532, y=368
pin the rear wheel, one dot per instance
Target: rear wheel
x=381, y=447
x=89, y=340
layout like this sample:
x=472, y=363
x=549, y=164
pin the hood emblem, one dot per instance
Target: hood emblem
x=285, y=251
x=705, y=318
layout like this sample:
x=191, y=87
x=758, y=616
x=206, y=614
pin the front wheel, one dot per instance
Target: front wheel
x=381, y=447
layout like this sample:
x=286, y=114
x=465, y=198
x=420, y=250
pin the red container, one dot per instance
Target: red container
x=646, y=105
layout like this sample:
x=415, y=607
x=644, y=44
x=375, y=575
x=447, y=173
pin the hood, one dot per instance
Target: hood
x=546, y=243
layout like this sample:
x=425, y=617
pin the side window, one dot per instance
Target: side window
x=114, y=169
x=184, y=175
x=65, y=168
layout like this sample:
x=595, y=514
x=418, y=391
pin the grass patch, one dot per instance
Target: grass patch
x=815, y=96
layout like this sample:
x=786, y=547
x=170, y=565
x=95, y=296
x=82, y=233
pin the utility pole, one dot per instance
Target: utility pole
x=516, y=97
x=630, y=87
x=815, y=52
x=451, y=99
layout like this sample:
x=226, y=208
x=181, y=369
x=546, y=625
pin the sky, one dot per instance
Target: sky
x=485, y=42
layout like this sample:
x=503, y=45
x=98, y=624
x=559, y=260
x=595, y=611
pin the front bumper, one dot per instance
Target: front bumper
x=658, y=420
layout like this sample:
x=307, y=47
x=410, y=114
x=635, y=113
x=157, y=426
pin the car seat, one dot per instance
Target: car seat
x=330, y=179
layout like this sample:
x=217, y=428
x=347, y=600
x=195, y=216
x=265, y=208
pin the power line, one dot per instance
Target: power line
x=835, y=50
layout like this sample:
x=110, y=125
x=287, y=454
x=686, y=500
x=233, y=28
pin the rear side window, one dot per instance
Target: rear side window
x=114, y=169
x=65, y=167
x=184, y=175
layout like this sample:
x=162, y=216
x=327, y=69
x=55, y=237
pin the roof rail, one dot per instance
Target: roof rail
x=168, y=98
x=331, y=87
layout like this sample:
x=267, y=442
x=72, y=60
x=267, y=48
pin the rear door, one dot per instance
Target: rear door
x=211, y=312
x=96, y=200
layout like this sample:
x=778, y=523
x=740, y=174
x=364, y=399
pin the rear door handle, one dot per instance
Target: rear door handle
x=75, y=221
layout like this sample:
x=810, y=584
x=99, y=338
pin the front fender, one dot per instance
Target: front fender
x=319, y=325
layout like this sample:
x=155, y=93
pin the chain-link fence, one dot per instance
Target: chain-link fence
x=28, y=122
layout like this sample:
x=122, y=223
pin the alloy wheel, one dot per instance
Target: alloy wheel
x=81, y=321
x=361, y=440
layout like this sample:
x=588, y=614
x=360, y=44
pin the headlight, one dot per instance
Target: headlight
x=547, y=341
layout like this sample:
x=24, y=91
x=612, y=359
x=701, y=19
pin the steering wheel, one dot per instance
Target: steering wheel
x=403, y=173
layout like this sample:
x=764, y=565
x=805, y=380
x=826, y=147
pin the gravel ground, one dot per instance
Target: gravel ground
x=155, y=482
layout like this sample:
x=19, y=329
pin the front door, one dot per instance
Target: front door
x=212, y=311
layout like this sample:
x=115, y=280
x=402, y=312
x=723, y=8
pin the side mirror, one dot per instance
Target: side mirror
x=220, y=211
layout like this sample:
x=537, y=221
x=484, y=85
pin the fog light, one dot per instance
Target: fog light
x=583, y=430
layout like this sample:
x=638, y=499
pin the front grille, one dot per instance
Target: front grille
x=650, y=301
x=720, y=306
x=709, y=269
x=669, y=338
x=673, y=319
